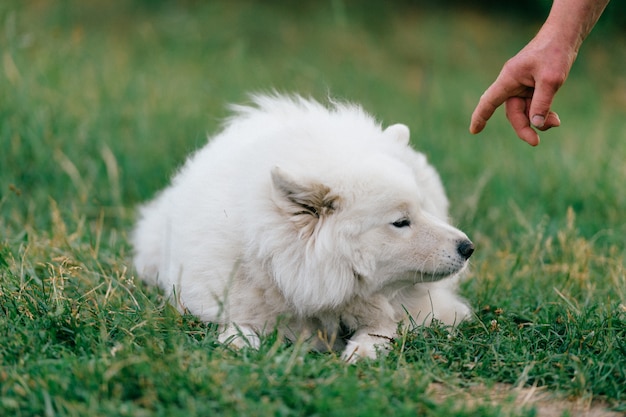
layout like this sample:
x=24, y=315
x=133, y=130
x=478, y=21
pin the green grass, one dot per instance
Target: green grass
x=101, y=103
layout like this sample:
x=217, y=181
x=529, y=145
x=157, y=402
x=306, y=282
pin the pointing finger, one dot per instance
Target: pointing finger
x=487, y=105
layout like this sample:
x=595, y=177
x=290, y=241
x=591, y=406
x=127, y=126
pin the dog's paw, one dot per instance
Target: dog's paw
x=450, y=309
x=239, y=337
x=365, y=346
x=355, y=351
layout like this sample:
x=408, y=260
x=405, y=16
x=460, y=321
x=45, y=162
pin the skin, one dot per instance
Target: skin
x=529, y=81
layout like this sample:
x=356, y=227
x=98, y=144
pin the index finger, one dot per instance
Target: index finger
x=491, y=99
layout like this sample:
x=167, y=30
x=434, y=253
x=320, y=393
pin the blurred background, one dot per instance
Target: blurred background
x=102, y=101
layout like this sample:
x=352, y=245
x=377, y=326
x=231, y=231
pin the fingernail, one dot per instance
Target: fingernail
x=538, y=120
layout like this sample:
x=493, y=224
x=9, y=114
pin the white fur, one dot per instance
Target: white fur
x=286, y=219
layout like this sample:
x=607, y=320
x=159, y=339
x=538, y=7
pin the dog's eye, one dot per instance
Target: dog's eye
x=402, y=223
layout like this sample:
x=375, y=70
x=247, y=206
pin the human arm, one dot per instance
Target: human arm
x=528, y=82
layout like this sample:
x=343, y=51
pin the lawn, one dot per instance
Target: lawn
x=100, y=102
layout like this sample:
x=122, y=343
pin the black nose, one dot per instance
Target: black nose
x=465, y=248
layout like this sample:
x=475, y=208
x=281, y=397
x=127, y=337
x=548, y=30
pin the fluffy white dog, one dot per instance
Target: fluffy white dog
x=310, y=219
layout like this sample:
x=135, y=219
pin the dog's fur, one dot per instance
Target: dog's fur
x=309, y=218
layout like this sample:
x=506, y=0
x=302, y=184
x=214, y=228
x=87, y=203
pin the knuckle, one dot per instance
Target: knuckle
x=555, y=79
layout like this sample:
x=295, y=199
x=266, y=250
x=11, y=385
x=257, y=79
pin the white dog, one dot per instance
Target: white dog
x=309, y=219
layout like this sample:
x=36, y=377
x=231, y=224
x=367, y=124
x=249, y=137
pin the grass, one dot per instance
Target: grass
x=101, y=103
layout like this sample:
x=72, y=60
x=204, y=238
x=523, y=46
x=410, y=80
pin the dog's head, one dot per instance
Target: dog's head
x=371, y=227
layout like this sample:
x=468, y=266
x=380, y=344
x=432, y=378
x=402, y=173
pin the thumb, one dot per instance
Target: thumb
x=540, y=103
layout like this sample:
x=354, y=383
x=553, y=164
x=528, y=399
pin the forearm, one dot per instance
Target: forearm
x=570, y=21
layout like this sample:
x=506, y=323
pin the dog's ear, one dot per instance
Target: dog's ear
x=399, y=133
x=305, y=202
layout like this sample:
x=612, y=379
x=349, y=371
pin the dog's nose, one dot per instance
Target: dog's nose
x=465, y=248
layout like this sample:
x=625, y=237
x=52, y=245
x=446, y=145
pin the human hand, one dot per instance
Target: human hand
x=527, y=85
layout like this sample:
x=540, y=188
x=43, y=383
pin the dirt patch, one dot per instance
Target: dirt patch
x=510, y=398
